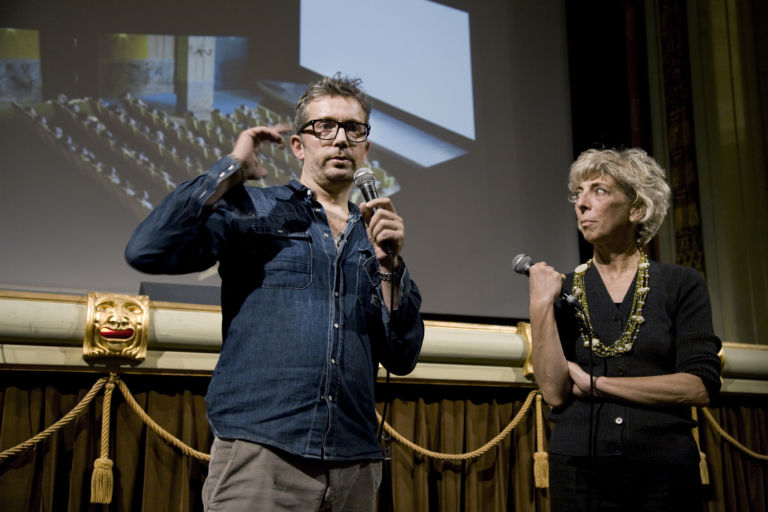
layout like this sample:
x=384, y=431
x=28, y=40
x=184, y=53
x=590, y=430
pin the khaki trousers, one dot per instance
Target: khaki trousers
x=245, y=476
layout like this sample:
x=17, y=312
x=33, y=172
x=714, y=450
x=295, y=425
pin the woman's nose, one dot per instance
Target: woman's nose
x=580, y=202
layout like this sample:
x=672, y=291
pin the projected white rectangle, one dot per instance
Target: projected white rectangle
x=414, y=55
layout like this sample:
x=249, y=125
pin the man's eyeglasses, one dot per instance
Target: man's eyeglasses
x=328, y=129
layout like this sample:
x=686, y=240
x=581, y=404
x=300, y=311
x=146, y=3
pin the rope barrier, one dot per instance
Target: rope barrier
x=102, y=479
x=71, y=415
x=722, y=433
x=463, y=456
x=186, y=450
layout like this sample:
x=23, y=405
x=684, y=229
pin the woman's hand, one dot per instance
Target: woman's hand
x=581, y=384
x=544, y=284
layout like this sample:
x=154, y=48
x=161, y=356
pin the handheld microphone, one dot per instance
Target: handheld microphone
x=522, y=265
x=366, y=183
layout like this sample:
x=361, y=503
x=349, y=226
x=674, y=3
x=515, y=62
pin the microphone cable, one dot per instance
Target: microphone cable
x=386, y=389
x=586, y=332
x=365, y=181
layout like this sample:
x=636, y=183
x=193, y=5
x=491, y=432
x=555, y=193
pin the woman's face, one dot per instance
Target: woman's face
x=604, y=212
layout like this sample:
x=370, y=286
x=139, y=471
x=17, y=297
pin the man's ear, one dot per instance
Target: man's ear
x=297, y=146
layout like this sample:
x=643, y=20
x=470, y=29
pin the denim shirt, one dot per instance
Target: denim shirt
x=303, y=322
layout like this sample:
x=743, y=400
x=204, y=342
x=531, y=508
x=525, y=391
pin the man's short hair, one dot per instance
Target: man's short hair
x=337, y=85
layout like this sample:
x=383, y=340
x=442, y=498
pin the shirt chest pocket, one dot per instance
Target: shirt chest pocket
x=367, y=269
x=280, y=258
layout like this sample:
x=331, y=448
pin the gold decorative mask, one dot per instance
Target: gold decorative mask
x=116, y=328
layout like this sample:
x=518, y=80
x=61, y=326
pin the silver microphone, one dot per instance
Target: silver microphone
x=522, y=265
x=366, y=182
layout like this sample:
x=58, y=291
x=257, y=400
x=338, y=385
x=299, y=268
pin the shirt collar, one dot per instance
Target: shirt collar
x=305, y=193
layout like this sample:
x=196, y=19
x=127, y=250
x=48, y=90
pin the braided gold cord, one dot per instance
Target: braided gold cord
x=106, y=415
x=539, y=424
x=540, y=457
x=469, y=455
x=157, y=428
x=725, y=435
x=102, y=478
x=71, y=415
x=187, y=450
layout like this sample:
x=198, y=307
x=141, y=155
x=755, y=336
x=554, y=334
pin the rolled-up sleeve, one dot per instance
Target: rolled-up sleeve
x=696, y=345
x=404, y=326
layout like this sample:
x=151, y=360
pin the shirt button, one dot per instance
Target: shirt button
x=336, y=294
x=336, y=325
x=325, y=235
x=222, y=173
x=619, y=420
x=232, y=166
x=330, y=398
x=333, y=360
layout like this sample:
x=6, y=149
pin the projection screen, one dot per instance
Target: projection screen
x=105, y=107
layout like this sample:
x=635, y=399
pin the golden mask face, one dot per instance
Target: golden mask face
x=116, y=328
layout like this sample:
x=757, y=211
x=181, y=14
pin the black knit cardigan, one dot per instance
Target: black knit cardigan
x=677, y=336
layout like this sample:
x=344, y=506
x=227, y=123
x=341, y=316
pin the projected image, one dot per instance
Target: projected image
x=430, y=46
x=108, y=106
x=166, y=107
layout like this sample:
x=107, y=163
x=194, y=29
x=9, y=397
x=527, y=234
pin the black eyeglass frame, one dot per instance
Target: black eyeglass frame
x=339, y=124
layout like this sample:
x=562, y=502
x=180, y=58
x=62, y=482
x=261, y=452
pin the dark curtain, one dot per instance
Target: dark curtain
x=738, y=481
x=457, y=420
x=150, y=475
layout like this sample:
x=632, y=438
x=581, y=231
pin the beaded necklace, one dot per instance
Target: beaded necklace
x=628, y=337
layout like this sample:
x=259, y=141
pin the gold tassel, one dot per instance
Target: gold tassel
x=101, y=481
x=541, y=470
x=540, y=456
x=703, y=471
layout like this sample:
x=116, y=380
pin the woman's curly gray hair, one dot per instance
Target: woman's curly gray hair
x=640, y=176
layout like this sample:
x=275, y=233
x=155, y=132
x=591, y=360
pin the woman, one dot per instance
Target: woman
x=643, y=332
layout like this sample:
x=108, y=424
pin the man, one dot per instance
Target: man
x=307, y=285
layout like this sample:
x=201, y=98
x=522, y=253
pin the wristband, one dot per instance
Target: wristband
x=396, y=275
x=393, y=276
x=387, y=276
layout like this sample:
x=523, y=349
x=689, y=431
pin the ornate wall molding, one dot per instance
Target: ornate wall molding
x=47, y=331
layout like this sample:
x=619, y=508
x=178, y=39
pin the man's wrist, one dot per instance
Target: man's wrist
x=386, y=275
